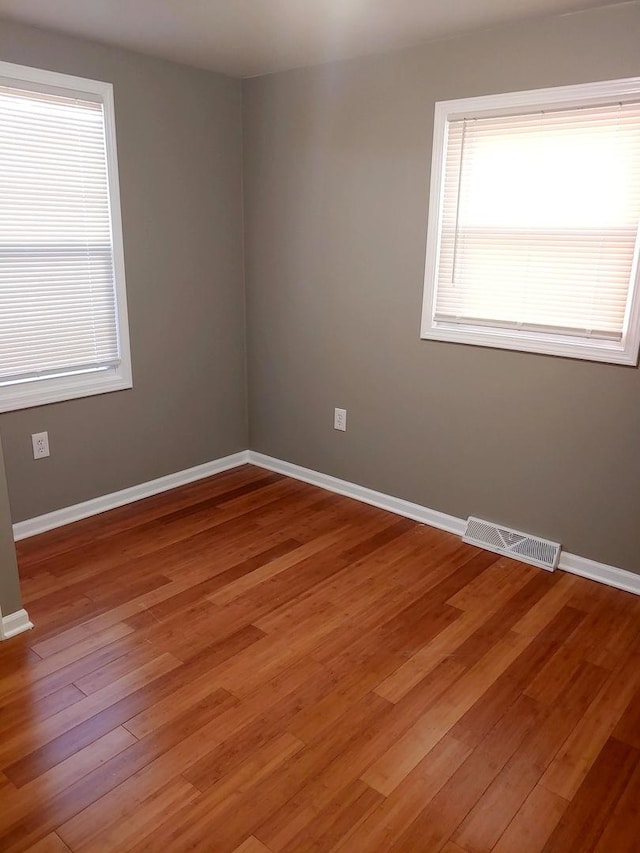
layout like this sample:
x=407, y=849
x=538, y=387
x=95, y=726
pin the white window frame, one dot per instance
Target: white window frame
x=587, y=94
x=37, y=392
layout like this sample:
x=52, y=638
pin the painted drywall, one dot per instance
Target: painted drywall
x=180, y=156
x=9, y=584
x=336, y=184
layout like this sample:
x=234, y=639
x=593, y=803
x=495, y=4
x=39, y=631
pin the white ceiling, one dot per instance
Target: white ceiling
x=244, y=38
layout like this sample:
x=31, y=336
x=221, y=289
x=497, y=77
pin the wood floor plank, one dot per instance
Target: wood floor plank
x=51, y=843
x=401, y=758
x=191, y=828
x=586, y=818
x=249, y=664
x=342, y=770
x=78, y=650
x=32, y=683
x=44, y=547
x=628, y=727
x=495, y=626
x=189, y=568
x=127, y=826
x=397, y=811
x=568, y=769
x=23, y=753
x=438, y=819
x=252, y=845
x=538, y=617
x=251, y=737
x=70, y=806
x=336, y=821
x=607, y=632
x=425, y=659
x=14, y=713
x=107, y=795
x=267, y=657
x=124, y=802
x=264, y=802
x=235, y=589
x=622, y=830
x=82, y=762
x=488, y=819
x=534, y=822
x=103, y=676
x=516, y=679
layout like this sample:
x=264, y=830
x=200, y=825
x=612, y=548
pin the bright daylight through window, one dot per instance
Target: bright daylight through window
x=63, y=323
x=533, y=222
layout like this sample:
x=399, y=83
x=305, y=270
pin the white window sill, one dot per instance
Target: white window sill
x=611, y=352
x=55, y=390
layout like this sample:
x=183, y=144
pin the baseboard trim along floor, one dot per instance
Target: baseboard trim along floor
x=610, y=575
x=14, y=623
x=60, y=517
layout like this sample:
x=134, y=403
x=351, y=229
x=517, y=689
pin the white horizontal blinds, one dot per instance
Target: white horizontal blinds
x=540, y=220
x=57, y=288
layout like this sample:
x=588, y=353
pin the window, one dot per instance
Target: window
x=533, y=222
x=63, y=320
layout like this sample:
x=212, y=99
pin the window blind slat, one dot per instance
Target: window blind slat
x=57, y=282
x=539, y=220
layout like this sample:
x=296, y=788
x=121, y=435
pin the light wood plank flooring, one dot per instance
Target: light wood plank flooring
x=251, y=664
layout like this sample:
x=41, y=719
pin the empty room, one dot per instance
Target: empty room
x=319, y=426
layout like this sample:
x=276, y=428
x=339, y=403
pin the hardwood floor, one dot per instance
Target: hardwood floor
x=251, y=664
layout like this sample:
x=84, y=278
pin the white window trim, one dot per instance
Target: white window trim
x=52, y=390
x=586, y=94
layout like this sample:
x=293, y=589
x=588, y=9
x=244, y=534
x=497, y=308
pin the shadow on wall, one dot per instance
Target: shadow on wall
x=9, y=583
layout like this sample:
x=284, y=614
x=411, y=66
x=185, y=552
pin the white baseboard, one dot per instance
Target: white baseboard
x=610, y=575
x=368, y=496
x=60, y=517
x=14, y=623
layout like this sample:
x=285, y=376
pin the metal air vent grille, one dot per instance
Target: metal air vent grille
x=512, y=543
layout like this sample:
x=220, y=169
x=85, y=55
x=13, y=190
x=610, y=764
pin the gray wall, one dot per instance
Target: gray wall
x=9, y=585
x=180, y=157
x=336, y=178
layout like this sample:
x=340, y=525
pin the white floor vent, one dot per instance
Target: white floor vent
x=512, y=543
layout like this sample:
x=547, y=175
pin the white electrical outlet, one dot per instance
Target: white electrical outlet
x=40, y=442
x=340, y=419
